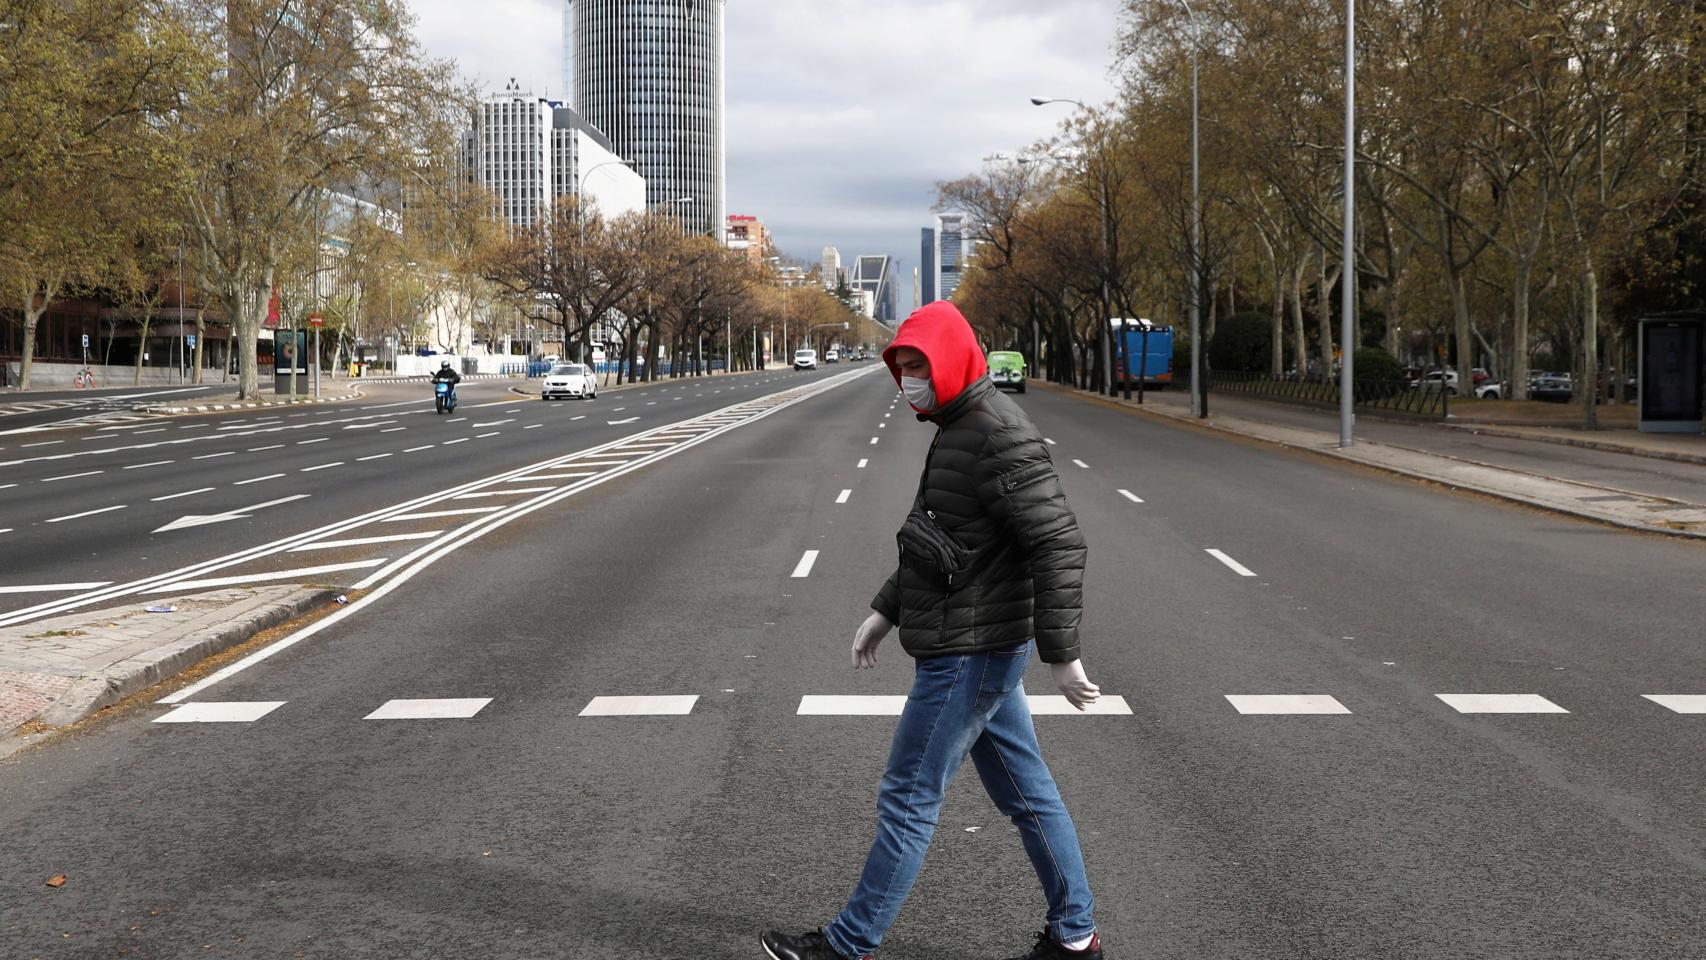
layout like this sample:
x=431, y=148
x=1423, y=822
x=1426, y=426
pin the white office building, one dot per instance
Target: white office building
x=530, y=151
x=831, y=268
x=954, y=246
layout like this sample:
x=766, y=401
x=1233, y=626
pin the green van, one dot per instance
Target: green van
x=1007, y=369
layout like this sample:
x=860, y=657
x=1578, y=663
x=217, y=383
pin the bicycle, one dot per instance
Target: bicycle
x=86, y=378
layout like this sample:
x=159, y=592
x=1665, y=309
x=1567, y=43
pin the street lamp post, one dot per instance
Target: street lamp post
x=1347, y=273
x=1111, y=343
x=1199, y=388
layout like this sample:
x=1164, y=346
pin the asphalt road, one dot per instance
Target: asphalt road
x=1399, y=827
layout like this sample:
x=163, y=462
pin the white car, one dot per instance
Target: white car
x=570, y=380
x=831, y=355
x=805, y=359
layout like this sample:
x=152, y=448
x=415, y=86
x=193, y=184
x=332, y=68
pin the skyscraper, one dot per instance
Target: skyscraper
x=927, y=265
x=953, y=249
x=649, y=73
x=831, y=268
x=530, y=151
x=874, y=274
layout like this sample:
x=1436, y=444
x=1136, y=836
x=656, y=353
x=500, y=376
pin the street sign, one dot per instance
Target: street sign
x=85, y=341
x=316, y=319
x=190, y=340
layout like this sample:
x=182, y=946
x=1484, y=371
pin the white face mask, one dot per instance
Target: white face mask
x=919, y=393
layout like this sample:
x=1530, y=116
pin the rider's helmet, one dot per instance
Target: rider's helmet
x=444, y=365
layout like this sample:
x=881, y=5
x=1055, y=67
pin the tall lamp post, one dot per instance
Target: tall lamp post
x=783, y=280
x=1112, y=343
x=1348, y=273
x=1199, y=392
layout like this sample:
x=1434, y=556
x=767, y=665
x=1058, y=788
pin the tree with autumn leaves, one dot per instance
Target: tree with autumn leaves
x=1529, y=182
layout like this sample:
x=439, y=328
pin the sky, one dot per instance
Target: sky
x=842, y=115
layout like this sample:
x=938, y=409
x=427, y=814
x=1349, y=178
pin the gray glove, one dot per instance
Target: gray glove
x=1070, y=680
x=866, y=638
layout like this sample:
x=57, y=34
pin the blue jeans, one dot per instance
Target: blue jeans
x=974, y=704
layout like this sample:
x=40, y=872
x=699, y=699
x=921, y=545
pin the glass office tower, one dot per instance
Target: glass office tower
x=649, y=74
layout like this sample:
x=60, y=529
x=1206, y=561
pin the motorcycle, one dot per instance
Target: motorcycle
x=444, y=399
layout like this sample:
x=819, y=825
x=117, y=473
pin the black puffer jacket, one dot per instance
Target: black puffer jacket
x=992, y=486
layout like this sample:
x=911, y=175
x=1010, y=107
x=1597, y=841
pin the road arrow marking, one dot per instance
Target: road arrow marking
x=202, y=520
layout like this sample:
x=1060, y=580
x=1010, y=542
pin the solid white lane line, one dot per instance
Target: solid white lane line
x=377, y=456
x=430, y=514
x=502, y=493
x=1678, y=703
x=230, y=712
x=270, y=476
x=157, y=463
x=88, y=513
x=272, y=575
x=212, y=456
x=862, y=464
x=451, y=709
x=850, y=706
x=186, y=493
x=1236, y=567
x=653, y=706
x=457, y=440
x=597, y=463
x=304, y=443
x=363, y=541
x=1285, y=704
x=843, y=497
x=1134, y=498
x=323, y=466
x=273, y=446
x=1081, y=464
x=54, y=587
x=419, y=449
x=1055, y=705
x=804, y=567
x=1499, y=703
x=72, y=476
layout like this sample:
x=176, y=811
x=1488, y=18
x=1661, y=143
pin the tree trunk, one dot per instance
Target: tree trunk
x=1299, y=332
x=1324, y=312
x=1590, y=343
x=142, y=343
x=1518, y=364
x=1465, y=356
x=27, y=358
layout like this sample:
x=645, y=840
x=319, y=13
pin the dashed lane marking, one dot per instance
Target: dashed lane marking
x=1678, y=703
x=428, y=446
x=646, y=706
x=376, y=456
x=230, y=712
x=157, y=463
x=1499, y=703
x=1232, y=564
x=451, y=709
x=804, y=567
x=72, y=476
x=323, y=466
x=87, y=513
x=215, y=456
x=843, y=497
x=1134, y=498
x=1081, y=464
x=874, y=441
x=186, y=493
x=270, y=476
x=1285, y=703
x=862, y=464
x=1055, y=705
x=1048, y=441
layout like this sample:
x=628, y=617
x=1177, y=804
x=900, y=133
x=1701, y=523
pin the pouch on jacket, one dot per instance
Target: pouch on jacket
x=931, y=552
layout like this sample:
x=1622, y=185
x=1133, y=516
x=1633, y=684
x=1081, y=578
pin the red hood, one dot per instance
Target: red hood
x=941, y=333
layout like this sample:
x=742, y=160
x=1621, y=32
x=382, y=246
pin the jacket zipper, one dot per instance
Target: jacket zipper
x=942, y=625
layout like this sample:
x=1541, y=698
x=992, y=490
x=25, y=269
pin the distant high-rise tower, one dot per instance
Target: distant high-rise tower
x=927, y=265
x=831, y=268
x=953, y=250
x=649, y=73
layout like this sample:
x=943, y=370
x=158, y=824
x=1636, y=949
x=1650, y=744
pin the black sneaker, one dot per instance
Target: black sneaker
x=1048, y=948
x=806, y=946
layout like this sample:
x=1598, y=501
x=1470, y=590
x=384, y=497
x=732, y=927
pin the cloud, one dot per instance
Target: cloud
x=843, y=114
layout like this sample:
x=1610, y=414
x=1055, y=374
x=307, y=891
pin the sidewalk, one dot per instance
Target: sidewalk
x=58, y=671
x=1651, y=483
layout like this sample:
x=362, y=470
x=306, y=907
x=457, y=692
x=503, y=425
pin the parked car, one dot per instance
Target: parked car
x=831, y=355
x=1435, y=380
x=1551, y=388
x=1007, y=369
x=805, y=359
x=569, y=380
x=1490, y=390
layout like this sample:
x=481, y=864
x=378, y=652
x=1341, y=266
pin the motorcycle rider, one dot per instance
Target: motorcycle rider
x=446, y=372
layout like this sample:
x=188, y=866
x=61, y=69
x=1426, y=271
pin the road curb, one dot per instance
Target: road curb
x=172, y=652
x=354, y=394
x=1496, y=431
x=1332, y=453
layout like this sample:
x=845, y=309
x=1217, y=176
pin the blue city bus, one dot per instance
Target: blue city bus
x=1147, y=353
